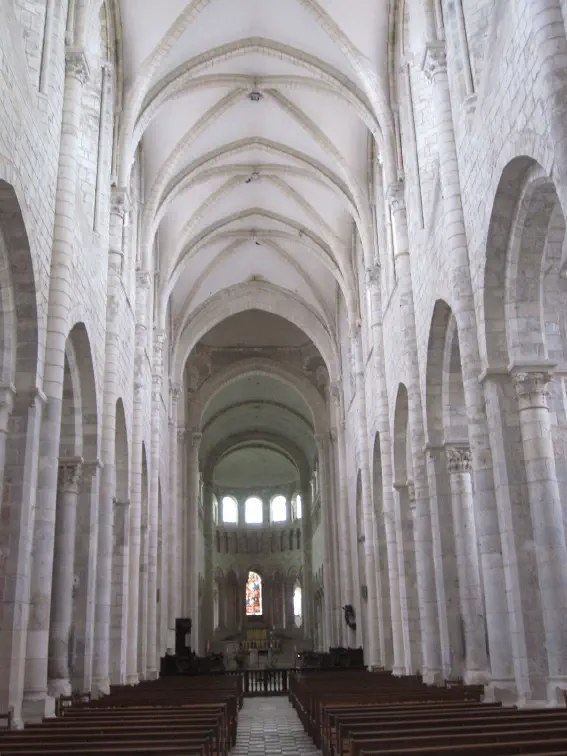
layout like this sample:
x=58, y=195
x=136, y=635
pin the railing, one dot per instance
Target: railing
x=264, y=682
x=260, y=645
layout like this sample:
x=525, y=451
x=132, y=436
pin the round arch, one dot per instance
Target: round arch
x=255, y=296
x=201, y=400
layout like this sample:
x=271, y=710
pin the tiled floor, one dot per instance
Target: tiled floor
x=270, y=726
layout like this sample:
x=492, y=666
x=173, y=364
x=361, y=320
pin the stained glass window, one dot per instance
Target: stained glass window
x=253, y=510
x=229, y=509
x=297, y=605
x=279, y=509
x=254, y=595
x=298, y=508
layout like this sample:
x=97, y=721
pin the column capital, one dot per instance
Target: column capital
x=160, y=336
x=434, y=59
x=122, y=503
x=120, y=204
x=157, y=383
x=395, y=196
x=532, y=388
x=143, y=279
x=70, y=471
x=7, y=395
x=174, y=392
x=373, y=275
x=459, y=459
x=335, y=392
x=181, y=434
x=411, y=495
x=77, y=64
x=196, y=438
x=91, y=468
x=321, y=441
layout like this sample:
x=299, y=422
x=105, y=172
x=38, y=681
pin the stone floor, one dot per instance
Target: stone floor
x=270, y=726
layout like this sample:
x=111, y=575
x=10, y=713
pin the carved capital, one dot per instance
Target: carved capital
x=175, y=393
x=411, y=497
x=459, y=459
x=532, y=389
x=70, y=471
x=373, y=276
x=120, y=202
x=143, y=279
x=335, y=392
x=196, y=439
x=395, y=196
x=77, y=65
x=434, y=59
x=7, y=395
x=321, y=441
x=121, y=503
x=181, y=434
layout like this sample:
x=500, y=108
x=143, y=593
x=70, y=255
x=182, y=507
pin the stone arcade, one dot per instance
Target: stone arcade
x=283, y=301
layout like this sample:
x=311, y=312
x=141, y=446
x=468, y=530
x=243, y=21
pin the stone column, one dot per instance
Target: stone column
x=119, y=590
x=175, y=530
x=208, y=623
x=547, y=518
x=38, y=703
x=85, y=576
x=157, y=381
x=306, y=542
x=445, y=558
x=387, y=494
x=142, y=620
x=184, y=555
x=7, y=394
x=336, y=579
x=459, y=466
x=322, y=442
x=346, y=588
x=101, y=663
x=372, y=645
x=21, y=466
x=193, y=535
x=490, y=544
x=63, y=573
x=143, y=280
x=428, y=608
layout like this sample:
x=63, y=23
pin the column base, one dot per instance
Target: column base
x=501, y=691
x=152, y=674
x=556, y=691
x=59, y=686
x=398, y=671
x=100, y=688
x=476, y=677
x=133, y=679
x=35, y=710
x=433, y=677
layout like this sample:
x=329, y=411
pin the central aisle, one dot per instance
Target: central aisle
x=271, y=726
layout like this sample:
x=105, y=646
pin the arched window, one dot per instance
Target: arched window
x=253, y=513
x=298, y=507
x=215, y=510
x=254, y=595
x=229, y=509
x=297, y=605
x=279, y=509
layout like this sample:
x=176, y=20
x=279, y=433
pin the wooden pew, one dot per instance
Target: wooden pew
x=182, y=716
x=376, y=714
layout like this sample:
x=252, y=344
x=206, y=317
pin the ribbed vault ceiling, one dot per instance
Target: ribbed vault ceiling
x=255, y=118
